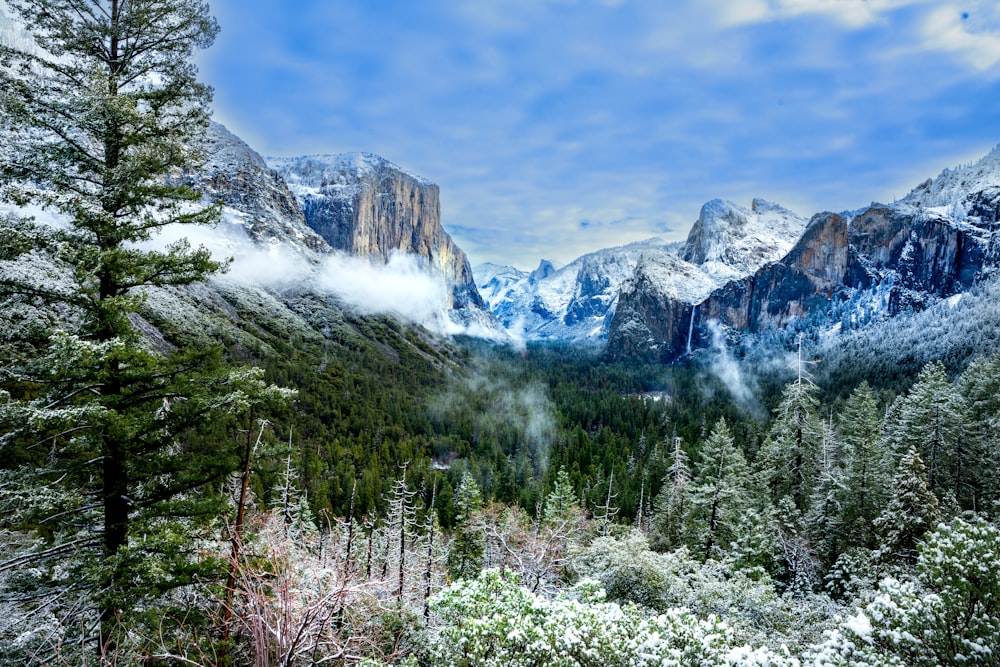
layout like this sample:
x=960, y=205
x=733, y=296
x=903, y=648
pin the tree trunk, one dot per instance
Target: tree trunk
x=236, y=535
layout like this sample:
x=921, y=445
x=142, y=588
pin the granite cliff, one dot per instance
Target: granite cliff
x=366, y=206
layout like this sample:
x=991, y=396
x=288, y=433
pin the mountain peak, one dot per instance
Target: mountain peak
x=309, y=174
x=729, y=241
x=544, y=270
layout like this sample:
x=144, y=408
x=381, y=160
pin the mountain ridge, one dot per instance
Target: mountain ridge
x=577, y=303
x=933, y=244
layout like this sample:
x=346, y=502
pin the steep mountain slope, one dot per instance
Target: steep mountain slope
x=848, y=268
x=253, y=196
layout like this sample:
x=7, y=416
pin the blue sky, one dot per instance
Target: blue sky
x=556, y=127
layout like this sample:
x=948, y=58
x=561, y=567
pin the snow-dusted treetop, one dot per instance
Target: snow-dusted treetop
x=952, y=188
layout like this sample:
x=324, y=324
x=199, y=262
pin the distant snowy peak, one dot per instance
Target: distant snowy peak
x=957, y=192
x=578, y=301
x=729, y=242
x=496, y=282
x=572, y=303
x=544, y=270
x=843, y=271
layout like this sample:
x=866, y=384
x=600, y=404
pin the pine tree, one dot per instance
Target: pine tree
x=825, y=517
x=932, y=419
x=720, y=491
x=980, y=387
x=795, y=549
x=100, y=115
x=790, y=452
x=561, y=504
x=670, y=508
x=469, y=539
x=866, y=466
x=910, y=513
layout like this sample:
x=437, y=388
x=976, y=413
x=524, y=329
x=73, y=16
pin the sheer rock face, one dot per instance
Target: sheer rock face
x=933, y=244
x=366, y=206
x=655, y=308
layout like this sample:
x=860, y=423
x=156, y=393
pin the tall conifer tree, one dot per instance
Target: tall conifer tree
x=911, y=512
x=790, y=453
x=101, y=114
x=867, y=471
x=932, y=419
x=721, y=491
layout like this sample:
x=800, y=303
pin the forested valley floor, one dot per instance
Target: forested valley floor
x=472, y=505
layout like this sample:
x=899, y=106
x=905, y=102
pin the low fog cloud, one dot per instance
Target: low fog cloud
x=727, y=369
x=403, y=286
x=497, y=401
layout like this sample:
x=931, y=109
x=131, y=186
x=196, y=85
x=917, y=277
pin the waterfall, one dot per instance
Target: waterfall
x=694, y=309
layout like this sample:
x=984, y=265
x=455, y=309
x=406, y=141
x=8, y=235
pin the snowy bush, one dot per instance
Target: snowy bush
x=493, y=622
x=745, y=599
x=949, y=616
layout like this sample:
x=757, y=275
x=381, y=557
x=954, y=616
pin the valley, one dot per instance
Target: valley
x=264, y=411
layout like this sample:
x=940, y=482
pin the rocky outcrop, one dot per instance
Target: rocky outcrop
x=728, y=243
x=806, y=279
x=655, y=308
x=366, y=206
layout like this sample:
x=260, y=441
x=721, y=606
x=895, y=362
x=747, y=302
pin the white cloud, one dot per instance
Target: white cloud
x=851, y=13
x=973, y=35
x=727, y=369
x=970, y=31
x=401, y=286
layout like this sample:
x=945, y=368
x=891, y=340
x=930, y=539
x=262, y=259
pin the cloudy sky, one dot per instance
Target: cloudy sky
x=556, y=127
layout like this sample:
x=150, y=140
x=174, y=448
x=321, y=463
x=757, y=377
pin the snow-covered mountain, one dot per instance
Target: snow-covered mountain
x=366, y=206
x=577, y=302
x=844, y=270
x=570, y=304
x=729, y=242
x=355, y=225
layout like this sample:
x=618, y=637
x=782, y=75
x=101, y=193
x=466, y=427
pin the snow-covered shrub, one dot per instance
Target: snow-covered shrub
x=493, y=622
x=949, y=616
x=745, y=599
